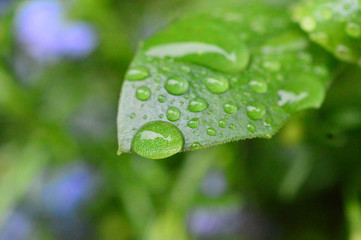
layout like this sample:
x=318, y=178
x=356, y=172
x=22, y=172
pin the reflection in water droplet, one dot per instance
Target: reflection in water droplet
x=143, y=93
x=211, y=131
x=222, y=123
x=230, y=107
x=137, y=74
x=157, y=140
x=258, y=86
x=287, y=97
x=193, y=123
x=251, y=127
x=217, y=85
x=162, y=98
x=176, y=85
x=173, y=114
x=256, y=111
x=197, y=105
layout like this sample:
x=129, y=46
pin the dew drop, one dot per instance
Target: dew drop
x=197, y=105
x=161, y=116
x=158, y=79
x=222, y=123
x=185, y=69
x=251, y=127
x=258, y=86
x=176, y=85
x=157, y=140
x=308, y=24
x=353, y=30
x=137, y=74
x=132, y=115
x=162, y=98
x=211, y=131
x=230, y=107
x=145, y=117
x=143, y=93
x=195, y=146
x=217, y=85
x=256, y=111
x=193, y=123
x=173, y=114
x=342, y=52
x=232, y=127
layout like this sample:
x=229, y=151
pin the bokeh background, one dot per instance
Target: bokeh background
x=61, y=70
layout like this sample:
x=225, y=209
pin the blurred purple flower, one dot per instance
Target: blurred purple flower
x=69, y=190
x=42, y=30
x=214, y=184
x=17, y=226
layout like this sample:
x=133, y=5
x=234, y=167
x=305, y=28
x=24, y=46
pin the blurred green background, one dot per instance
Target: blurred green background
x=61, y=70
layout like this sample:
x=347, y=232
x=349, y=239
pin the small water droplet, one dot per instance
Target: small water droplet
x=217, y=85
x=161, y=116
x=158, y=79
x=256, y=111
x=157, y=140
x=173, y=114
x=308, y=24
x=353, y=30
x=137, y=74
x=132, y=115
x=227, y=117
x=230, y=107
x=197, y=105
x=251, y=127
x=232, y=127
x=176, y=85
x=143, y=93
x=222, y=123
x=210, y=112
x=211, y=131
x=272, y=66
x=258, y=86
x=162, y=98
x=195, y=146
x=193, y=123
x=145, y=117
x=343, y=52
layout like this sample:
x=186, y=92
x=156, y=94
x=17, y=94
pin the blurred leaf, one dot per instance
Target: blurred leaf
x=224, y=75
x=334, y=24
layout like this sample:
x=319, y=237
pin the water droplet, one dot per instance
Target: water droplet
x=343, y=52
x=230, y=107
x=217, y=85
x=195, y=146
x=258, y=86
x=157, y=140
x=210, y=112
x=320, y=37
x=161, y=116
x=272, y=66
x=176, y=85
x=162, y=98
x=137, y=74
x=227, y=117
x=256, y=111
x=251, y=127
x=211, y=131
x=353, y=30
x=197, y=105
x=185, y=69
x=145, y=117
x=222, y=123
x=143, y=93
x=308, y=24
x=173, y=114
x=232, y=127
x=158, y=79
x=132, y=115
x=193, y=123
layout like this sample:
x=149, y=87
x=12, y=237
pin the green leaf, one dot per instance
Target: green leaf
x=333, y=24
x=219, y=75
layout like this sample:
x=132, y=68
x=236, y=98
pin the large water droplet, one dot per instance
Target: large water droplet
x=258, y=86
x=137, y=74
x=211, y=131
x=230, y=107
x=157, y=140
x=217, y=85
x=256, y=111
x=173, y=114
x=143, y=93
x=197, y=105
x=176, y=85
x=193, y=123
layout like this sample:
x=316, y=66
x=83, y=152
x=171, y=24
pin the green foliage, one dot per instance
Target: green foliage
x=229, y=74
x=333, y=24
